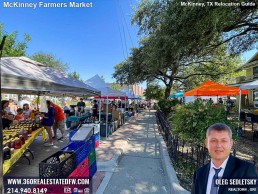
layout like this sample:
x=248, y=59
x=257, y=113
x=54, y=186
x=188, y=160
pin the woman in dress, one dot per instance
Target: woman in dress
x=48, y=121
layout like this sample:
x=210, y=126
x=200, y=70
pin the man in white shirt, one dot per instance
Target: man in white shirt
x=223, y=165
x=25, y=100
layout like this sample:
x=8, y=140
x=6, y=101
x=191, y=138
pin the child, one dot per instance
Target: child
x=19, y=115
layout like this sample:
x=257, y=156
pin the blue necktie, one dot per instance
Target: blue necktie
x=214, y=188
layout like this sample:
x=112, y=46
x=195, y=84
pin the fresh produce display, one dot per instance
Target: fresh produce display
x=15, y=136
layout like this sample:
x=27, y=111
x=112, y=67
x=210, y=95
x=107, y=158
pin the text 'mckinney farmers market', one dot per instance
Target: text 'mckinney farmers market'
x=42, y=4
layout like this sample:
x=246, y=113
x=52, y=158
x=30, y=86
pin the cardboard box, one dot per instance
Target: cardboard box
x=116, y=115
x=105, y=108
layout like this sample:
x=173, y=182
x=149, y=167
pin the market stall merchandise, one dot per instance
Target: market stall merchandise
x=17, y=153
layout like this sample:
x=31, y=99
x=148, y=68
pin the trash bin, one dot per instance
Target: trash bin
x=103, y=129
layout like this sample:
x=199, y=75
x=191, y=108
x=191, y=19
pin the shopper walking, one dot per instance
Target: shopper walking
x=59, y=121
x=48, y=121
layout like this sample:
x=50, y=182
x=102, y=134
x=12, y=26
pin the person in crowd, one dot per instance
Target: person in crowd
x=81, y=105
x=210, y=101
x=65, y=107
x=72, y=111
x=229, y=104
x=7, y=118
x=219, y=143
x=13, y=106
x=220, y=101
x=5, y=106
x=119, y=104
x=66, y=110
x=246, y=101
x=48, y=121
x=59, y=121
x=26, y=111
x=19, y=116
x=95, y=109
x=25, y=100
x=149, y=104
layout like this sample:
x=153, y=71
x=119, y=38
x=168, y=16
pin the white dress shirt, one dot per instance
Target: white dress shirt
x=212, y=173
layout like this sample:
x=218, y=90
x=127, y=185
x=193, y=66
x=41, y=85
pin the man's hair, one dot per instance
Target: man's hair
x=219, y=127
x=49, y=102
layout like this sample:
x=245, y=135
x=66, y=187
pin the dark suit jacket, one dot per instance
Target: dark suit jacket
x=235, y=169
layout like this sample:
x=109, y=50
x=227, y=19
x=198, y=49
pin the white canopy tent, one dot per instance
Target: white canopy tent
x=130, y=95
x=247, y=86
x=23, y=75
x=106, y=93
x=106, y=90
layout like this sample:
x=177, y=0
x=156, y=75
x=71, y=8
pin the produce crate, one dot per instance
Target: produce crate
x=93, y=169
x=82, y=171
x=81, y=149
x=92, y=157
x=54, y=167
x=90, y=143
x=96, y=144
x=96, y=138
x=71, y=134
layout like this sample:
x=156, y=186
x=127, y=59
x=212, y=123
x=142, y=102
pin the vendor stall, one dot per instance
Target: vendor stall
x=106, y=93
x=21, y=75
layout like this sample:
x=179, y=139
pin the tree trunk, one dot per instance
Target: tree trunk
x=167, y=90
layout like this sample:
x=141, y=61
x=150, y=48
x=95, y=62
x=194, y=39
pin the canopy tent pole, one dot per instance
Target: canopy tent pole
x=125, y=103
x=99, y=108
x=106, y=117
x=38, y=100
x=239, y=107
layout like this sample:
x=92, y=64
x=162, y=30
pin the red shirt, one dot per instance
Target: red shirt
x=59, y=115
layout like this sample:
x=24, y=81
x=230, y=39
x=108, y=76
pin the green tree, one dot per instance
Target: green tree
x=75, y=75
x=185, y=43
x=50, y=61
x=191, y=121
x=197, y=28
x=12, y=47
x=102, y=77
x=154, y=91
x=115, y=86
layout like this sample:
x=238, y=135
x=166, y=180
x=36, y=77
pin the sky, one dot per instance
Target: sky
x=91, y=40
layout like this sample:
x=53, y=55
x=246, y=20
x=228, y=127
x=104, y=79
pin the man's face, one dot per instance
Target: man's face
x=219, y=145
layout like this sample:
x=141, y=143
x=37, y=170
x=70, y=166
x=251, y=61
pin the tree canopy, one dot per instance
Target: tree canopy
x=12, y=47
x=75, y=75
x=183, y=44
x=50, y=60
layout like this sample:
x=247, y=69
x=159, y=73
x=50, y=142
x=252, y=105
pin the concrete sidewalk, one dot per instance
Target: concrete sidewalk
x=134, y=159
